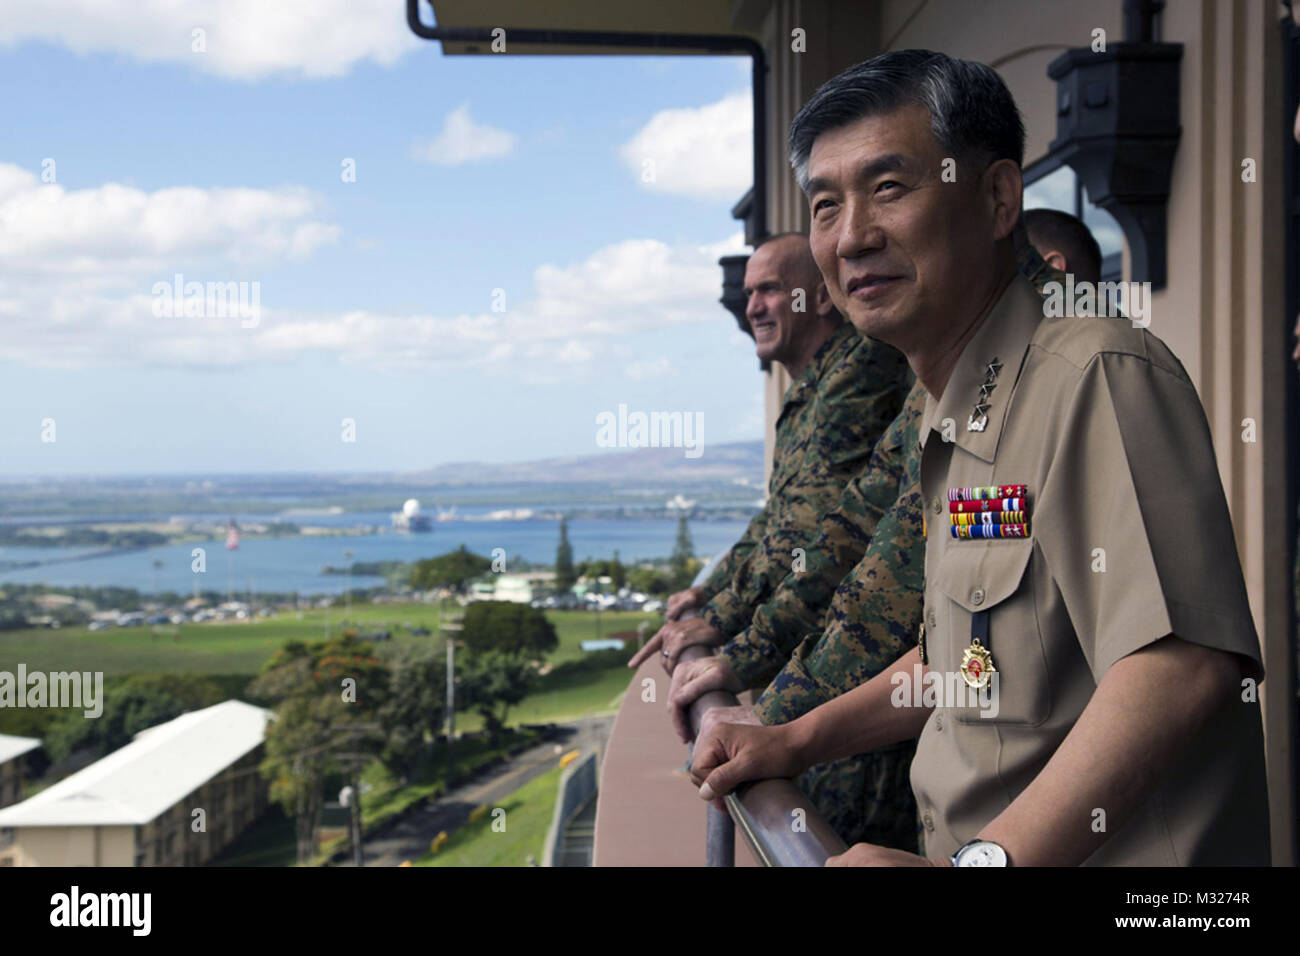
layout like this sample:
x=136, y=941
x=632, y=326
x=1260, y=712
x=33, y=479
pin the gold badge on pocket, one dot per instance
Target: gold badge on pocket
x=977, y=665
x=976, y=660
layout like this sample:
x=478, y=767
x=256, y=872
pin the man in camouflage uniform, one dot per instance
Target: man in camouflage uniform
x=846, y=390
x=866, y=573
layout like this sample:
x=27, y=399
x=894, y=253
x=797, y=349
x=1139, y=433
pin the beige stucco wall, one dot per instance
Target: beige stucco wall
x=71, y=846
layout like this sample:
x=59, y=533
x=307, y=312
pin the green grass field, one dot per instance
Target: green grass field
x=243, y=647
x=527, y=818
x=216, y=647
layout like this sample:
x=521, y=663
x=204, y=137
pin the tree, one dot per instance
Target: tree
x=649, y=581
x=564, y=574
x=128, y=709
x=680, y=563
x=130, y=705
x=312, y=736
x=453, y=570
x=492, y=681
x=508, y=627
x=416, y=704
x=617, y=573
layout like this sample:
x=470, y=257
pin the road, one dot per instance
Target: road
x=410, y=838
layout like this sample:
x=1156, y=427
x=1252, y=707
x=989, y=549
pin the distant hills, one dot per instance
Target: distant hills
x=729, y=475
x=724, y=462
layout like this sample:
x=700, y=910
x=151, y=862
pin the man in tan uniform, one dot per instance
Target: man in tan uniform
x=1092, y=662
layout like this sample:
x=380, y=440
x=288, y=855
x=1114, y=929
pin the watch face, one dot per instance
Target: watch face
x=982, y=854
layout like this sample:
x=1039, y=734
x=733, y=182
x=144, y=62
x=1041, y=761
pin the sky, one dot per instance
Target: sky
x=466, y=258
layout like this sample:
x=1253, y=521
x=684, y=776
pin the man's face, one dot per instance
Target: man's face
x=896, y=244
x=771, y=277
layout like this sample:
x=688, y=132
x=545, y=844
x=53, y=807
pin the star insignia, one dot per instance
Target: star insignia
x=980, y=416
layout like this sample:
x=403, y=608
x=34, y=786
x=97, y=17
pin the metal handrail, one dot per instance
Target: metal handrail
x=764, y=810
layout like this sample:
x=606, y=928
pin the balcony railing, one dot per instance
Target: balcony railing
x=773, y=815
x=645, y=807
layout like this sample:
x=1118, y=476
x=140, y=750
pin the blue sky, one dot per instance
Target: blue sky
x=473, y=174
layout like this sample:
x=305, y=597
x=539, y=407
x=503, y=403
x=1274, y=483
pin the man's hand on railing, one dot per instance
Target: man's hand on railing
x=731, y=754
x=740, y=714
x=691, y=679
x=688, y=599
x=673, y=638
x=868, y=854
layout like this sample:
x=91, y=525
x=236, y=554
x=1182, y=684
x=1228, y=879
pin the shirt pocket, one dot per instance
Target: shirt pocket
x=993, y=576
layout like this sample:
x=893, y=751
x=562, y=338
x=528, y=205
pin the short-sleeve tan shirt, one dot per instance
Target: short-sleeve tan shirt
x=1128, y=540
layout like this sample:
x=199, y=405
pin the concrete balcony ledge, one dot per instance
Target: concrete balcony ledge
x=647, y=812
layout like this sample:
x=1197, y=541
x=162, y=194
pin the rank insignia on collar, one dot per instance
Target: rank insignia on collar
x=979, y=417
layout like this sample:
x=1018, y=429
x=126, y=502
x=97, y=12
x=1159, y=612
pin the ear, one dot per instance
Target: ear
x=1005, y=189
x=1056, y=260
x=822, y=301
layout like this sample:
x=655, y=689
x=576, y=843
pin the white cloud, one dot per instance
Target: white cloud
x=105, y=230
x=574, y=324
x=244, y=39
x=463, y=141
x=704, y=152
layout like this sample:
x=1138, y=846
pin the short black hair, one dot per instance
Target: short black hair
x=1052, y=229
x=973, y=114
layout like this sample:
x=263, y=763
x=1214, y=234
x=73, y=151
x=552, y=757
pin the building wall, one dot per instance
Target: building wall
x=11, y=781
x=835, y=35
x=232, y=801
x=1223, y=302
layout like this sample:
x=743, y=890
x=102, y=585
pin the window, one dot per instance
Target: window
x=1057, y=187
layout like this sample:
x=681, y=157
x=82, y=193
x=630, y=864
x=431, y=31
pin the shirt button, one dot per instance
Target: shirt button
x=930, y=620
x=928, y=820
x=936, y=505
x=938, y=722
x=977, y=597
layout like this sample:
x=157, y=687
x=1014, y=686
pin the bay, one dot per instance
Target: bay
x=293, y=564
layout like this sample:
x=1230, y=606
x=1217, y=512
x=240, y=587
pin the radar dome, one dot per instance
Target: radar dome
x=411, y=508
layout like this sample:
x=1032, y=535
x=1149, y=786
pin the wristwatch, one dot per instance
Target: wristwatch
x=979, y=852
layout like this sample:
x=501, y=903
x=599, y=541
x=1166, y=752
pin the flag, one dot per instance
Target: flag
x=232, y=536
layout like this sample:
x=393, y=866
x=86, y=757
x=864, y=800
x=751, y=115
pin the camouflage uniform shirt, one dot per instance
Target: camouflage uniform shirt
x=831, y=417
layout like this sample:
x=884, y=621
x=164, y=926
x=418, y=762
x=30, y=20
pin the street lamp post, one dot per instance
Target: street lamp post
x=450, y=628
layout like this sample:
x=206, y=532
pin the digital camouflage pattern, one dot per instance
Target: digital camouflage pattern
x=797, y=608
x=872, y=621
x=831, y=417
x=872, y=616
